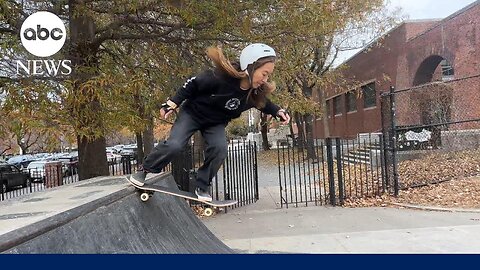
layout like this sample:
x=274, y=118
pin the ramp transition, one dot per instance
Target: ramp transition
x=115, y=223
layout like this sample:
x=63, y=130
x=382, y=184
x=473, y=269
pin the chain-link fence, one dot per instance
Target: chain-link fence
x=432, y=132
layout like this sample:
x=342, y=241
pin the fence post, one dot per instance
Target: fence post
x=183, y=169
x=255, y=167
x=339, y=169
x=385, y=139
x=126, y=164
x=394, y=140
x=280, y=172
x=331, y=177
x=2, y=191
x=383, y=164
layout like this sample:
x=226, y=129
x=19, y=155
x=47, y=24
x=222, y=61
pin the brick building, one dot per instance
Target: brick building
x=412, y=54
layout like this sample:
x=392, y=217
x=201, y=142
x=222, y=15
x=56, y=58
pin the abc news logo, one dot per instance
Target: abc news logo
x=43, y=34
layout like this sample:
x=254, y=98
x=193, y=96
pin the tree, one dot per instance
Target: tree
x=264, y=130
x=96, y=26
x=26, y=119
x=309, y=35
x=237, y=128
x=125, y=54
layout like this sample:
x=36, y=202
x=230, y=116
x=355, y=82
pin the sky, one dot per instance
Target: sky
x=429, y=9
x=420, y=9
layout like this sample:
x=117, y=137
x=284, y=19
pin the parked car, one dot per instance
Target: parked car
x=130, y=150
x=70, y=164
x=118, y=148
x=21, y=161
x=12, y=176
x=112, y=149
x=113, y=158
x=36, y=169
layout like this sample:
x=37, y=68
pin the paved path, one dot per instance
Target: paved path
x=265, y=228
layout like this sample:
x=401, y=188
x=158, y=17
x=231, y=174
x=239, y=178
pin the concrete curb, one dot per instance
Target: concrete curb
x=439, y=209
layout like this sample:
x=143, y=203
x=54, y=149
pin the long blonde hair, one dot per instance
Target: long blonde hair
x=258, y=97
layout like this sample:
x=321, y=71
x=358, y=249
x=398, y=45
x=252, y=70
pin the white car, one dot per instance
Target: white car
x=36, y=169
x=113, y=158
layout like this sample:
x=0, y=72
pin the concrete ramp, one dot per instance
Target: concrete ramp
x=107, y=216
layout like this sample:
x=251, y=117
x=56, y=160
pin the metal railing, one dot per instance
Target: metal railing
x=52, y=175
x=237, y=179
x=330, y=172
x=240, y=173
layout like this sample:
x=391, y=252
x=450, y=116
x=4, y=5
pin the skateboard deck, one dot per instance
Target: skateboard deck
x=149, y=189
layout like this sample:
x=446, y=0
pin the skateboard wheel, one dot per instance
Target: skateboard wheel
x=144, y=196
x=208, y=212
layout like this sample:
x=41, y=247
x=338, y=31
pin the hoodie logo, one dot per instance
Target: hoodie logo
x=232, y=104
x=188, y=81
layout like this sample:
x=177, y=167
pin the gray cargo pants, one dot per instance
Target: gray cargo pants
x=183, y=128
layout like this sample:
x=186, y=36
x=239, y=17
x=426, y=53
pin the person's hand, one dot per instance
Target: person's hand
x=167, y=109
x=284, y=117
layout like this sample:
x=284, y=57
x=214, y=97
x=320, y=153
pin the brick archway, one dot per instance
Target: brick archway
x=426, y=70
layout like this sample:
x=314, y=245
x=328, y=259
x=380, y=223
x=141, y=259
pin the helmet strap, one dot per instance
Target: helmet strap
x=250, y=72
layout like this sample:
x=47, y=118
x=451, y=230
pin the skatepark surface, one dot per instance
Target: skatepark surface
x=264, y=227
x=103, y=215
x=106, y=215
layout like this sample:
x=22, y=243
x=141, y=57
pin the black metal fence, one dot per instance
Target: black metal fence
x=240, y=174
x=15, y=181
x=236, y=180
x=330, y=171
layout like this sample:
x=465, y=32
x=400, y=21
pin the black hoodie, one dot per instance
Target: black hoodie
x=213, y=97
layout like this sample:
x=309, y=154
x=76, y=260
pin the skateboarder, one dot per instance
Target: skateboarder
x=210, y=100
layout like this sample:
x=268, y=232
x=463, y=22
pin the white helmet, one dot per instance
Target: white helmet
x=253, y=52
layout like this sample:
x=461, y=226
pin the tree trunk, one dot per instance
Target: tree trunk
x=148, y=137
x=301, y=131
x=91, y=149
x=310, y=143
x=323, y=101
x=92, y=161
x=140, y=151
x=139, y=134
x=264, y=131
x=23, y=147
x=292, y=134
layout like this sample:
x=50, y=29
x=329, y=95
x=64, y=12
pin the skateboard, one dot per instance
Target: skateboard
x=147, y=190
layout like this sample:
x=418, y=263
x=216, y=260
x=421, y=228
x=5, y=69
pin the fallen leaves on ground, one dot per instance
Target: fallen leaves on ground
x=438, y=167
x=458, y=193
x=463, y=193
x=269, y=157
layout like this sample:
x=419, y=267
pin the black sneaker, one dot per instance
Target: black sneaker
x=138, y=178
x=203, y=195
